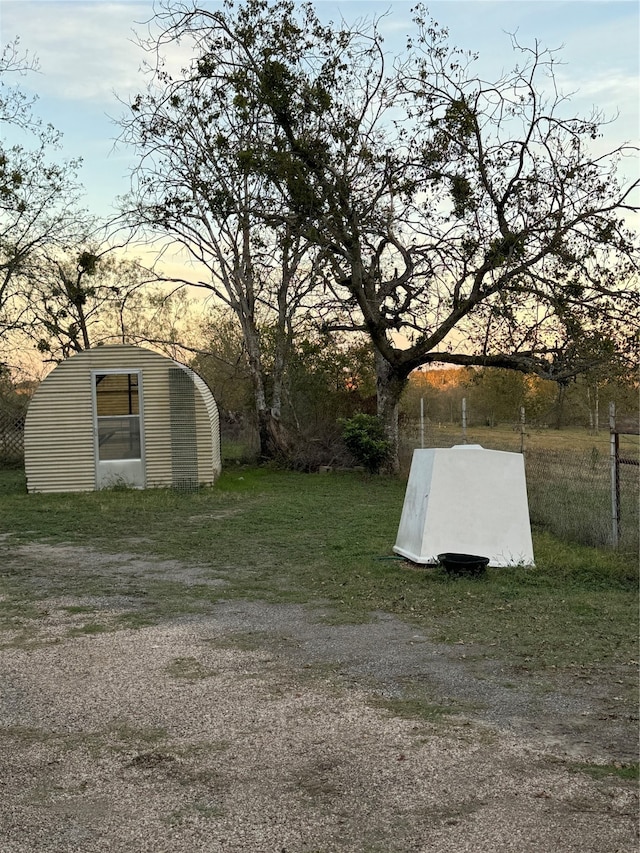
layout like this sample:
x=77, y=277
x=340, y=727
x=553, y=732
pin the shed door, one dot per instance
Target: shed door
x=118, y=429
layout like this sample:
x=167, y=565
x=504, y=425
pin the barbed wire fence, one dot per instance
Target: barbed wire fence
x=571, y=489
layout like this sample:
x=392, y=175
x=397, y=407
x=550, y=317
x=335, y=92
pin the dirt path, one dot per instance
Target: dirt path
x=259, y=727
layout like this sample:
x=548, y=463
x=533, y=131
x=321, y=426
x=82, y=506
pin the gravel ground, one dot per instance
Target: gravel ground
x=259, y=727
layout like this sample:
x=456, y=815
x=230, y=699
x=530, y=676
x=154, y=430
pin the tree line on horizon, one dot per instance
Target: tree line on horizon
x=352, y=217
x=328, y=382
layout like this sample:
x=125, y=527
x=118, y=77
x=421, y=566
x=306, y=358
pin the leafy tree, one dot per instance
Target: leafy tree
x=465, y=221
x=441, y=391
x=222, y=363
x=496, y=395
x=327, y=378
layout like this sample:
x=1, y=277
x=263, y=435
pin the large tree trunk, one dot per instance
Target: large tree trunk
x=273, y=439
x=274, y=443
x=390, y=383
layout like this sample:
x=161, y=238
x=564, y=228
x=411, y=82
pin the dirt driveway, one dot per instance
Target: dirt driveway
x=265, y=728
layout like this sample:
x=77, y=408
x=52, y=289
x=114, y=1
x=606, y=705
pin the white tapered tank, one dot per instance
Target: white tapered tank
x=469, y=500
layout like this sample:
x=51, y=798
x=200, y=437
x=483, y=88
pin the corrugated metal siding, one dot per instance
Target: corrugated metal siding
x=58, y=433
x=59, y=439
x=184, y=444
x=208, y=427
x=156, y=422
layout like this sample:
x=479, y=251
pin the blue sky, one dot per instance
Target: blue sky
x=88, y=58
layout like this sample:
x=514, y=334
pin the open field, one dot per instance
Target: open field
x=507, y=436
x=248, y=668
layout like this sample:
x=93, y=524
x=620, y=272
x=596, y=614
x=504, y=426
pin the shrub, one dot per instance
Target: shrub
x=365, y=437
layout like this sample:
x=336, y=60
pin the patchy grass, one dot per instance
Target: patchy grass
x=74, y=609
x=88, y=628
x=127, y=736
x=188, y=669
x=416, y=709
x=118, y=737
x=290, y=537
x=629, y=772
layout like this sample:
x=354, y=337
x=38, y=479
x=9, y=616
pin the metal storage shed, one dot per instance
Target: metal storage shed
x=121, y=415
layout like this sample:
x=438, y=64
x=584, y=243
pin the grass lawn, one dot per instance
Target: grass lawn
x=283, y=536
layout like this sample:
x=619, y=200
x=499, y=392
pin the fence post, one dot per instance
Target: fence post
x=615, y=477
x=522, y=423
x=422, y=422
x=464, y=420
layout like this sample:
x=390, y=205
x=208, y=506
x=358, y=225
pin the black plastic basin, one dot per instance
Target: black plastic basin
x=463, y=564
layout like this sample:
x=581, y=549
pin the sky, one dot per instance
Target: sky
x=89, y=62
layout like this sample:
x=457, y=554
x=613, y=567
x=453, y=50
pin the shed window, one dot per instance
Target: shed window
x=118, y=416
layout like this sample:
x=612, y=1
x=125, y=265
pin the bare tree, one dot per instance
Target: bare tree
x=77, y=300
x=196, y=183
x=39, y=198
x=457, y=220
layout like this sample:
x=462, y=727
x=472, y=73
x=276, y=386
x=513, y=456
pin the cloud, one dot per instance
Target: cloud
x=86, y=50
x=606, y=89
x=602, y=69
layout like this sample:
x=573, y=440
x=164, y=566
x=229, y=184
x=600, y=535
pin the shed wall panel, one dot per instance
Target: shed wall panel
x=157, y=439
x=208, y=432
x=59, y=426
x=184, y=445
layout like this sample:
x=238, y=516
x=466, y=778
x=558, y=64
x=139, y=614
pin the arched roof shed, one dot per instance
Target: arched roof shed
x=121, y=415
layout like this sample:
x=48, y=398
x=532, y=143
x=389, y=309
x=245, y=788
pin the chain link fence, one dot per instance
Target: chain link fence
x=568, y=475
x=13, y=410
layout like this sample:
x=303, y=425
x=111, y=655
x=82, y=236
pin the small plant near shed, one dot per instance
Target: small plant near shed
x=365, y=437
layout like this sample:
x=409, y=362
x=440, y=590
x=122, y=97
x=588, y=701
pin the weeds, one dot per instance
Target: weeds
x=88, y=628
x=628, y=772
x=416, y=709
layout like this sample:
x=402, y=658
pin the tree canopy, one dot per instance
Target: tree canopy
x=450, y=218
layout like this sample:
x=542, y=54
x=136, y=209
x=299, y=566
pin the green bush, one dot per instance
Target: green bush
x=365, y=437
